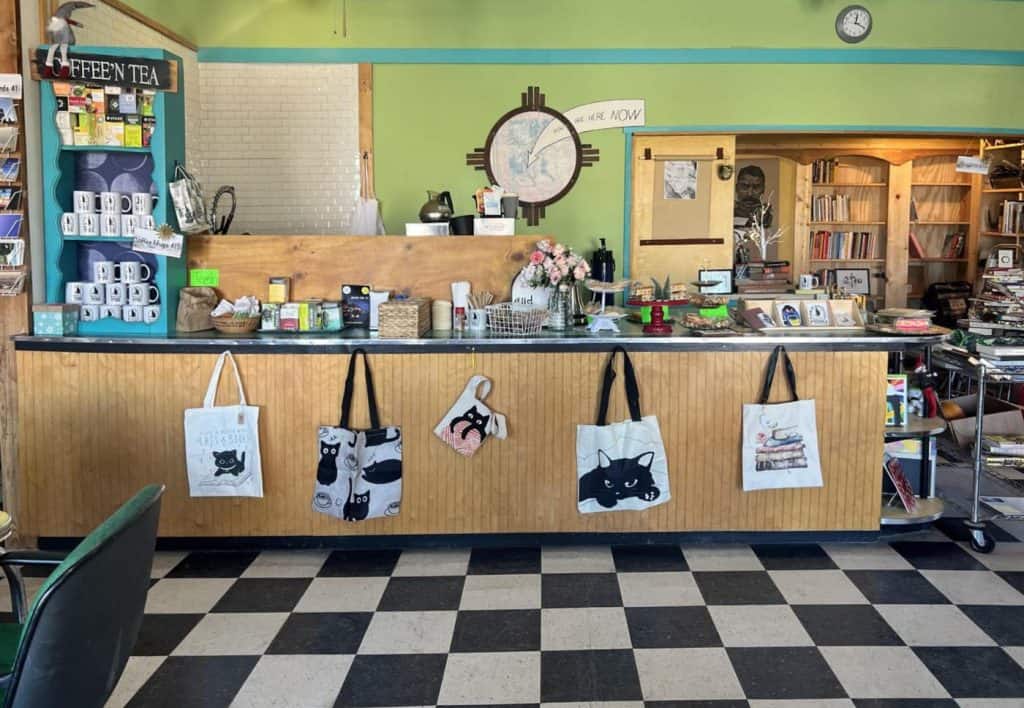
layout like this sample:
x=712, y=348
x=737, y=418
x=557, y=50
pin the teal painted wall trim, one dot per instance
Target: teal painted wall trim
x=953, y=57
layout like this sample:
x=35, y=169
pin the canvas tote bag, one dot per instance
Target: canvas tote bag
x=621, y=466
x=470, y=422
x=780, y=440
x=359, y=473
x=222, y=443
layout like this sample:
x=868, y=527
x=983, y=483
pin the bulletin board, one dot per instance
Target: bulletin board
x=681, y=201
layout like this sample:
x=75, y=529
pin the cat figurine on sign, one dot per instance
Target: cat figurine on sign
x=613, y=480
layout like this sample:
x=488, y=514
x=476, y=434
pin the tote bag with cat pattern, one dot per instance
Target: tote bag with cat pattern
x=359, y=475
x=621, y=466
x=222, y=443
x=467, y=425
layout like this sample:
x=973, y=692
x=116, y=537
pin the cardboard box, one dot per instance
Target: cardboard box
x=1000, y=417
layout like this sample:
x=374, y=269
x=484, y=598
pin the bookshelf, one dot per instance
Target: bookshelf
x=996, y=210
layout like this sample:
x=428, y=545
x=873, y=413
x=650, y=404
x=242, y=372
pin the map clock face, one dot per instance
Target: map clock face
x=535, y=152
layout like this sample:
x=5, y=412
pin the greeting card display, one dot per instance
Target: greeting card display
x=621, y=466
x=468, y=424
x=780, y=440
x=359, y=473
x=222, y=444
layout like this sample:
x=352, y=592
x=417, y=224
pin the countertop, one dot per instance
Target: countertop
x=574, y=339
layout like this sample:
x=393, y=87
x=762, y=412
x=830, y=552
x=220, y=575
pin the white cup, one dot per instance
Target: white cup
x=142, y=203
x=93, y=294
x=129, y=224
x=809, y=282
x=69, y=223
x=477, y=319
x=143, y=294
x=110, y=224
x=150, y=313
x=147, y=221
x=131, y=313
x=89, y=313
x=88, y=224
x=104, y=272
x=85, y=202
x=111, y=311
x=74, y=293
x=117, y=293
x=115, y=203
x=134, y=272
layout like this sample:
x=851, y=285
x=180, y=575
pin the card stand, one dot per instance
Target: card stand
x=12, y=282
x=844, y=310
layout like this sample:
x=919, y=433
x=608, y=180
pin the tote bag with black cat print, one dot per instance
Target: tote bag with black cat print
x=222, y=443
x=621, y=466
x=359, y=473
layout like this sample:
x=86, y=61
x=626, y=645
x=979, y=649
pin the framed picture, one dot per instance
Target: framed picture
x=787, y=314
x=856, y=281
x=816, y=313
x=1004, y=258
x=723, y=278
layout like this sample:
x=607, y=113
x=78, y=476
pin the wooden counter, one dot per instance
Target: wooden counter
x=97, y=425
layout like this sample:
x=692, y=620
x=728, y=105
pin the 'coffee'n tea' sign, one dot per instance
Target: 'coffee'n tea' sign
x=154, y=74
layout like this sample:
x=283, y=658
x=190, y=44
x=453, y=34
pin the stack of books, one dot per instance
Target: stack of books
x=1013, y=218
x=1003, y=450
x=824, y=171
x=1004, y=354
x=999, y=308
x=766, y=277
x=905, y=319
x=831, y=208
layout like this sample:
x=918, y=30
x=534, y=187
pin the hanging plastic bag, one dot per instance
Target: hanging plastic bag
x=366, y=219
x=189, y=207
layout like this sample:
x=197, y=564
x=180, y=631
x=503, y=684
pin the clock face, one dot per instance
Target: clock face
x=853, y=24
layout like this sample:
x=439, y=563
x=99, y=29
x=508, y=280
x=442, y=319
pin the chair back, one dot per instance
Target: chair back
x=85, y=619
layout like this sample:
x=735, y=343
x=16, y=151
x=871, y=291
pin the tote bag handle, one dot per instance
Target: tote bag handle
x=769, y=374
x=632, y=390
x=371, y=397
x=211, y=390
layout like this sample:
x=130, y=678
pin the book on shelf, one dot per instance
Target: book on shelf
x=831, y=208
x=843, y=245
x=916, y=250
x=954, y=245
x=913, y=210
x=1003, y=444
x=1012, y=222
x=824, y=171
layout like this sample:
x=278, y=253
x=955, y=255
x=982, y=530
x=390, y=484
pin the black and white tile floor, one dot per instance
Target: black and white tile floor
x=920, y=622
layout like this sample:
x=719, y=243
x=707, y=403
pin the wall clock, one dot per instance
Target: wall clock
x=539, y=178
x=853, y=24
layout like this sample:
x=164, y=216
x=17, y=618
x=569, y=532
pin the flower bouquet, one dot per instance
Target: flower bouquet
x=558, y=267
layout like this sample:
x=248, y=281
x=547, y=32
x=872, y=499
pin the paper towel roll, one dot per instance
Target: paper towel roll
x=442, y=315
x=460, y=293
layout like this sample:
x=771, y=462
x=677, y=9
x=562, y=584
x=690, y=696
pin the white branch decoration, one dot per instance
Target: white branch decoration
x=756, y=235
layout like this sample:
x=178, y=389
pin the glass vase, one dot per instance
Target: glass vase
x=558, y=308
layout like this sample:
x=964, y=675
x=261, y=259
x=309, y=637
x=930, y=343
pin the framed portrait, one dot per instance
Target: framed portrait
x=722, y=278
x=856, y=281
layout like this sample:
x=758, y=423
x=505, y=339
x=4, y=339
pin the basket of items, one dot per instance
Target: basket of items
x=236, y=323
x=507, y=319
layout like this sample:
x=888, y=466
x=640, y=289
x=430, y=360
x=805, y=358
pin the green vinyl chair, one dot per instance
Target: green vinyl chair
x=71, y=646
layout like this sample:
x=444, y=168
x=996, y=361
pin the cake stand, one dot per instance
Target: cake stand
x=658, y=324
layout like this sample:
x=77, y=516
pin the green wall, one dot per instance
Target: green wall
x=428, y=116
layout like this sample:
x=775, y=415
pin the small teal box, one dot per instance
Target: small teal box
x=55, y=320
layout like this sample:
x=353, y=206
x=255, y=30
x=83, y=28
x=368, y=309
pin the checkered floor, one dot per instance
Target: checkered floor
x=762, y=625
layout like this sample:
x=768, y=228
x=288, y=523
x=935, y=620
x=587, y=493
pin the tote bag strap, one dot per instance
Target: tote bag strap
x=371, y=396
x=632, y=390
x=769, y=374
x=474, y=385
x=211, y=390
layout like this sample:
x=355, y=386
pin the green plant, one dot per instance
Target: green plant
x=663, y=292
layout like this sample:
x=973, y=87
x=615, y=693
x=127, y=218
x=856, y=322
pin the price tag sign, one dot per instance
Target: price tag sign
x=204, y=277
x=971, y=164
x=10, y=85
x=149, y=241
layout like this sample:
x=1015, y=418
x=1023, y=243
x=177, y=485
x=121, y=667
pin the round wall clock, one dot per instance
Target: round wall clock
x=539, y=176
x=853, y=24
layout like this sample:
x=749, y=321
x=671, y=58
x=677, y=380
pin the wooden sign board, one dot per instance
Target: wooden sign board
x=99, y=69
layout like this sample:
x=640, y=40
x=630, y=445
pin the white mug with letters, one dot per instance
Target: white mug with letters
x=88, y=224
x=809, y=282
x=131, y=313
x=134, y=272
x=117, y=293
x=115, y=203
x=150, y=313
x=104, y=272
x=143, y=294
x=142, y=203
x=111, y=311
x=92, y=294
x=85, y=201
x=110, y=224
x=129, y=224
x=89, y=313
x=69, y=223
x=74, y=293
x=147, y=221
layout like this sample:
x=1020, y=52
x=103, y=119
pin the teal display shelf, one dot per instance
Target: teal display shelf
x=166, y=149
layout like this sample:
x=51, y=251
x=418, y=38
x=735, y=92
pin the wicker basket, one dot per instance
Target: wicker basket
x=504, y=320
x=404, y=319
x=229, y=324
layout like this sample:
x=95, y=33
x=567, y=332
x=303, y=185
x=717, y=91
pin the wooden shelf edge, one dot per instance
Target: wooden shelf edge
x=940, y=184
x=846, y=223
x=849, y=184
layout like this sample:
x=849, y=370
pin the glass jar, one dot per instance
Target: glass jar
x=558, y=308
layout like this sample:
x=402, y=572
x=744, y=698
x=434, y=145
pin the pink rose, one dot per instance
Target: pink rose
x=564, y=268
x=536, y=258
x=544, y=246
x=559, y=249
x=579, y=272
x=554, y=276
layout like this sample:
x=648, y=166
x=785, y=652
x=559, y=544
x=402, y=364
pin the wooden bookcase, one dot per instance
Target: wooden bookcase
x=991, y=199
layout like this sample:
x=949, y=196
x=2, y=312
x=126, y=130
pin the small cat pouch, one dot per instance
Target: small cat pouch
x=359, y=473
x=222, y=443
x=470, y=422
x=621, y=466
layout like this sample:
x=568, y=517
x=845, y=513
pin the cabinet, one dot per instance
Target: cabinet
x=112, y=168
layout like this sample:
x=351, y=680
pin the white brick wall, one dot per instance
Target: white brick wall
x=287, y=137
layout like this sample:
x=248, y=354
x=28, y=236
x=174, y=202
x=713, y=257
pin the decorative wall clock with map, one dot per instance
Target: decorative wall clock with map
x=535, y=152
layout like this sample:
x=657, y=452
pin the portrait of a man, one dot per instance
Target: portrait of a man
x=750, y=188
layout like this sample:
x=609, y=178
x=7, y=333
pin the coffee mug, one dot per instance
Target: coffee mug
x=477, y=319
x=111, y=311
x=809, y=282
x=150, y=313
x=117, y=293
x=143, y=294
x=74, y=293
x=134, y=272
x=85, y=202
x=110, y=224
x=115, y=203
x=131, y=313
x=104, y=272
x=69, y=223
x=88, y=224
x=147, y=221
x=93, y=294
x=89, y=313
x=142, y=203
x=129, y=224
